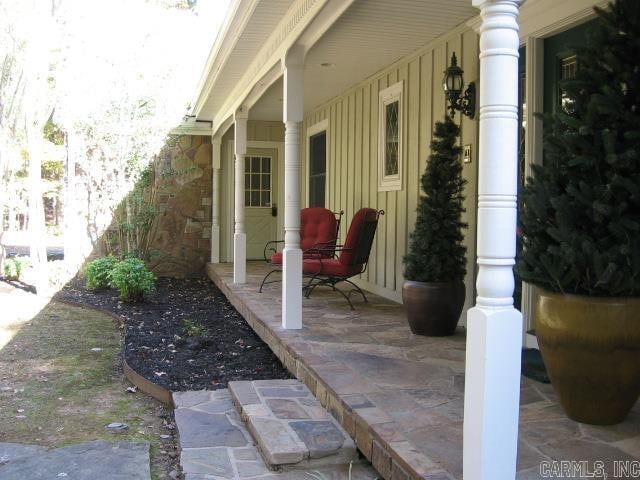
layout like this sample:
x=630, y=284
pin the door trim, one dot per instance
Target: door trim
x=279, y=148
x=316, y=128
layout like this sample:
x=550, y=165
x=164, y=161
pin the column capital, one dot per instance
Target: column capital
x=483, y=3
x=242, y=113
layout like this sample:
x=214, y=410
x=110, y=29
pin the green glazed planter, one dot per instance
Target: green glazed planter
x=591, y=349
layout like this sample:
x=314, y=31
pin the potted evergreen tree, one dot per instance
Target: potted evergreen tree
x=581, y=224
x=435, y=265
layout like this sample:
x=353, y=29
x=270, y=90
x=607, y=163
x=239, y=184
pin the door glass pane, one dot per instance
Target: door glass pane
x=258, y=182
x=568, y=68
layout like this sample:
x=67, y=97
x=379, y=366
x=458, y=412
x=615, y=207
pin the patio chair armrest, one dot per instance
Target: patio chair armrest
x=321, y=248
x=271, y=249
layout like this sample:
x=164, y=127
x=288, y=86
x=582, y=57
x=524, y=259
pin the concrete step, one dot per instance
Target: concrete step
x=289, y=426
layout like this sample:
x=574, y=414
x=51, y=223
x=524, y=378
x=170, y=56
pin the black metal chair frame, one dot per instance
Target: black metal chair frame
x=362, y=252
x=323, y=246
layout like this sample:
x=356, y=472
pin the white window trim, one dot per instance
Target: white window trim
x=389, y=95
x=321, y=126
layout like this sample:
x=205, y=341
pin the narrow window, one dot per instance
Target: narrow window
x=317, y=169
x=390, y=134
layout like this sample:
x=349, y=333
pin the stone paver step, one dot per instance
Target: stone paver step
x=289, y=425
x=215, y=445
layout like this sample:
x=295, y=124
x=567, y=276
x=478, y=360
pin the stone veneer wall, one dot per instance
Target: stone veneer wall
x=182, y=242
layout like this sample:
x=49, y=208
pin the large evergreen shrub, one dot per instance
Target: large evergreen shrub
x=436, y=252
x=581, y=210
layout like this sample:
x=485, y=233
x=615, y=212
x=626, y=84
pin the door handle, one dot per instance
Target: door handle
x=274, y=210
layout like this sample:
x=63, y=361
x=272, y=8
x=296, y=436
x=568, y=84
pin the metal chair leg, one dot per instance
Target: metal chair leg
x=357, y=289
x=264, y=280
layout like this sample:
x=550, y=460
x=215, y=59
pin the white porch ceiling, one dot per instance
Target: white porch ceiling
x=370, y=35
x=266, y=16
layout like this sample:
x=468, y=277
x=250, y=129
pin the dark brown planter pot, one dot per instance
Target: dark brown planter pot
x=433, y=308
x=591, y=349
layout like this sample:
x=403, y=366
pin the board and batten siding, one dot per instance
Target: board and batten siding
x=352, y=137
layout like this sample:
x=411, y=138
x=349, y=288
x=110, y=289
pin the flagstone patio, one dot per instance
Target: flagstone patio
x=400, y=396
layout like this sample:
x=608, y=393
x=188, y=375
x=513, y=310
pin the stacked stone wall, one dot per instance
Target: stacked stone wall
x=181, y=247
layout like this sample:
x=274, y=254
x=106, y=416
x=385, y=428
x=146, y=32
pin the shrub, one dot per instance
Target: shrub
x=191, y=328
x=98, y=272
x=13, y=267
x=132, y=279
x=581, y=209
x=436, y=249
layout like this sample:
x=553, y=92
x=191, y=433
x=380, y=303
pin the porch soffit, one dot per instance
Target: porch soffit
x=247, y=38
x=368, y=36
x=371, y=35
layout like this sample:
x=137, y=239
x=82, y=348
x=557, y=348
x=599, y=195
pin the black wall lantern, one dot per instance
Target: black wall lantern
x=453, y=83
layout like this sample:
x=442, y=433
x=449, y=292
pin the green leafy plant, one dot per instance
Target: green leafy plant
x=580, y=214
x=436, y=252
x=132, y=279
x=98, y=272
x=191, y=328
x=13, y=267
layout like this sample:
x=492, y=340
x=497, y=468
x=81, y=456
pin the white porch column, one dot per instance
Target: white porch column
x=240, y=236
x=292, y=255
x=216, y=144
x=494, y=326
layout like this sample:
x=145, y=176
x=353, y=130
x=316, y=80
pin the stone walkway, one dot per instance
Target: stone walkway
x=215, y=445
x=86, y=461
x=401, y=396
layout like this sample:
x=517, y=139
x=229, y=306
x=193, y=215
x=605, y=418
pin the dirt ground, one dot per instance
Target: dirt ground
x=61, y=381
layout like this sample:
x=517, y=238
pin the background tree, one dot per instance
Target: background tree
x=436, y=252
x=581, y=209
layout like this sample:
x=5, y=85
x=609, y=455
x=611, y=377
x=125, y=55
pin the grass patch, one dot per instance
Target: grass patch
x=61, y=382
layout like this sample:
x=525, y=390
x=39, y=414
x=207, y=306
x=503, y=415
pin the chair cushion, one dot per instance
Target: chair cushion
x=317, y=225
x=330, y=267
x=347, y=255
x=276, y=258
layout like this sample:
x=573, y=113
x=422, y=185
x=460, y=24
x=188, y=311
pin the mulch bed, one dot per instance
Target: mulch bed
x=185, y=336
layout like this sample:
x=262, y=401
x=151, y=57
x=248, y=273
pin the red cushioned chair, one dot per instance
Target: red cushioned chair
x=331, y=269
x=319, y=229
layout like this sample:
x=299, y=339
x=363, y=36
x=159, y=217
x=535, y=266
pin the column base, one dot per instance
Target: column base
x=215, y=244
x=292, y=288
x=492, y=393
x=239, y=258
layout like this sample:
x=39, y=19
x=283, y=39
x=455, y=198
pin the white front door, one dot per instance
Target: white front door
x=260, y=183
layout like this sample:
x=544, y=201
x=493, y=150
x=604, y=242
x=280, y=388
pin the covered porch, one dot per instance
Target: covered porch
x=401, y=396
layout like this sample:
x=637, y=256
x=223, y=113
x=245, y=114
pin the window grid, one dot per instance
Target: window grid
x=568, y=70
x=257, y=181
x=391, y=139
